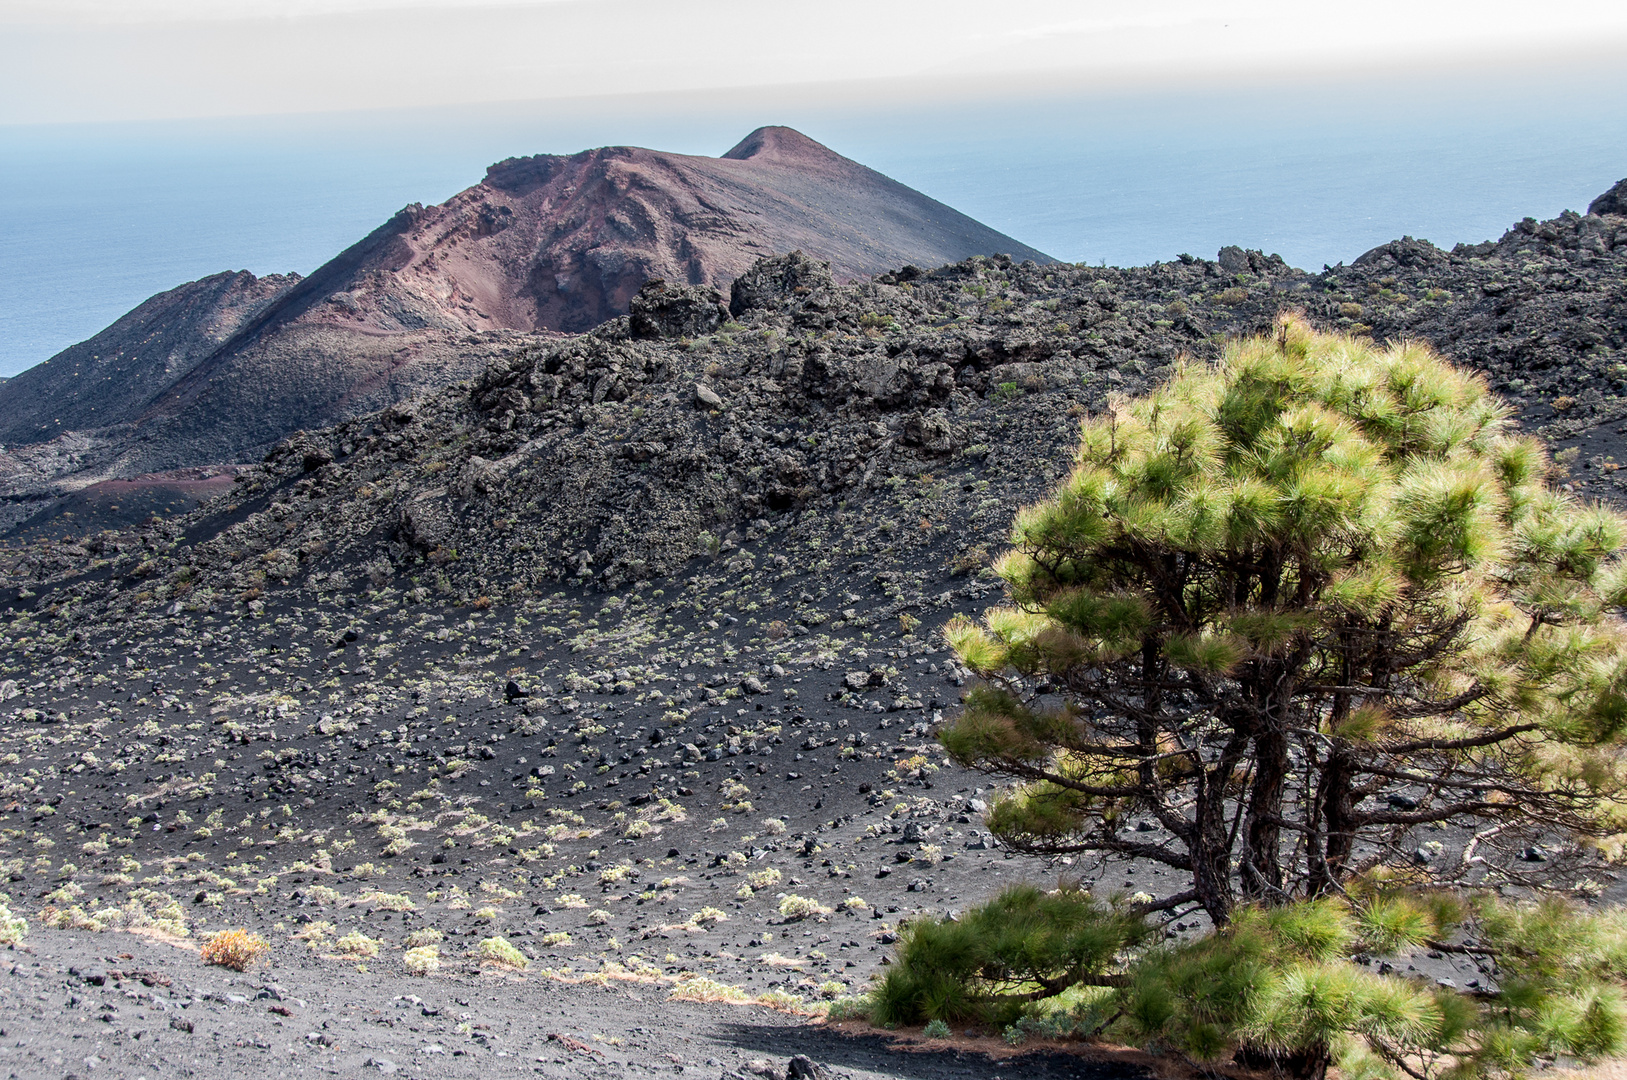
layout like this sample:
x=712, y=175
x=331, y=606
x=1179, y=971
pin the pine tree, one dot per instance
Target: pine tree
x=1294, y=606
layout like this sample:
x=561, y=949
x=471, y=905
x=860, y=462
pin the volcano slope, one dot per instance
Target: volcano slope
x=626, y=653
x=216, y=371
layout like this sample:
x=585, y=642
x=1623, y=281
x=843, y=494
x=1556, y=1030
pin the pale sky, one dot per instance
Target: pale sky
x=121, y=60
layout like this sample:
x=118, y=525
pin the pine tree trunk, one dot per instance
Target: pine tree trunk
x=1260, y=858
x=1337, y=811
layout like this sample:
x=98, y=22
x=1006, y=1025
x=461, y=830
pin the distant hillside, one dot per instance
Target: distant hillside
x=110, y=378
x=217, y=370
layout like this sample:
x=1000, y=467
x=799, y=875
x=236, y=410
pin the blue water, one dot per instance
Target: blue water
x=95, y=219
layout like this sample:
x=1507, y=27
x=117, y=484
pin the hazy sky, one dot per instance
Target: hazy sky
x=112, y=60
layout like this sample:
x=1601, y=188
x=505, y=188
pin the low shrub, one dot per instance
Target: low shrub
x=383, y=901
x=849, y=1008
x=707, y=916
x=316, y=932
x=982, y=966
x=794, y=908
x=235, y=949
x=700, y=988
x=356, y=943
x=1276, y=989
x=422, y=960
x=500, y=953
x=780, y=999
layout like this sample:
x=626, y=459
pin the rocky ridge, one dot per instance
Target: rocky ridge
x=616, y=454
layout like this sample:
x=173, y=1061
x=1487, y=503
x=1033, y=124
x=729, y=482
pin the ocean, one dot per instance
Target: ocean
x=94, y=219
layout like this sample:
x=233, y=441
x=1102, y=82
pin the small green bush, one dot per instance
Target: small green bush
x=981, y=966
x=1276, y=989
x=794, y=908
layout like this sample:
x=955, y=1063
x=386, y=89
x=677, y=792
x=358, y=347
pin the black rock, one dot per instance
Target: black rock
x=1613, y=201
x=802, y=1067
x=661, y=310
x=771, y=284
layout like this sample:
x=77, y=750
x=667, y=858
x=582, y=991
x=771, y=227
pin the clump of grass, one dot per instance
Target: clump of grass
x=781, y=1000
x=356, y=943
x=794, y=908
x=936, y=1029
x=498, y=952
x=700, y=988
x=424, y=935
x=848, y=1008
x=235, y=949
x=383, y=901
x=707, y=916
x=557, y=938
x=423, y=960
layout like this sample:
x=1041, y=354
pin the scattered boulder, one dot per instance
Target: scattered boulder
x=1613, y=201
x=776, y=283
x=1405, y=252
x=802, y=1067
x=661, y=310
